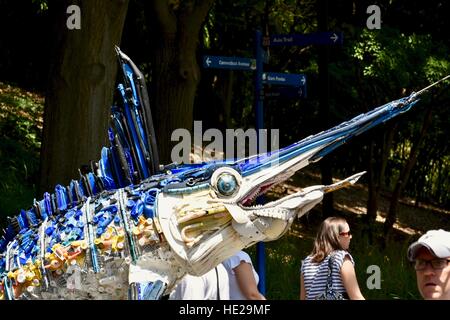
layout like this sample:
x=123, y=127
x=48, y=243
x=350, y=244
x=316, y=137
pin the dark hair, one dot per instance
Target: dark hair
x=327, y=238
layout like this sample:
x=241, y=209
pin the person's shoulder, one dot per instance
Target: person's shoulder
x=235, y=260
x=242, y=255
x=305, y=263
x=340, y=255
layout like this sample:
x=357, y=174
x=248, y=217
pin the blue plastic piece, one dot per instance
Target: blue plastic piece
x=49, y=230
x=22, y=219
x=82, y=189
x=48, y=204
x=100, y=231
x=32, y=219
x=91, y=181
x=137, y=209
x=22, y=258
x=10, y=233
x=134, y=133
x=61, y=197
x=136, y=106
x=105, y=170
x=3, y=244
x=116, y=168
x=76, y=191
x=149, y=202
x=130, y=203
x=129, y=161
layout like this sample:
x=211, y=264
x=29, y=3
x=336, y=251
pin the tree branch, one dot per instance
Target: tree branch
x=190, y=19
x=165, y=16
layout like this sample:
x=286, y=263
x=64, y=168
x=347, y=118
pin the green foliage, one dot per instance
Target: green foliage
x=398, y=58
x=42, y=5
x=20, y=128
x=398, y=280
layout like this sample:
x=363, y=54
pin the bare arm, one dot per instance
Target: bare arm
x=247, y=282
x=302, y=288
x=349, y=280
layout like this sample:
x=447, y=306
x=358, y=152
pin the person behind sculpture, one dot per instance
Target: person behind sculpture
x=431, y=257
x=243, y=279
x=212, y=285
x=332, y=242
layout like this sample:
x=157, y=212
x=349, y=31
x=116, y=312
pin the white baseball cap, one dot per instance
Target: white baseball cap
x=436, y=241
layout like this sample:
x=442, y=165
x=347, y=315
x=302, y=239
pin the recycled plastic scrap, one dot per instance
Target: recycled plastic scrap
x=130, y=228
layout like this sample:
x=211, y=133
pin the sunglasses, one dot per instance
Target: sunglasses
x=345, y=234
x=436, y=264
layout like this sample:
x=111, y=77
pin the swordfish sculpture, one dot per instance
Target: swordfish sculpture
x=130, y=228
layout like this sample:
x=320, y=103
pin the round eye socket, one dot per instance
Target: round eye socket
x=227, y=184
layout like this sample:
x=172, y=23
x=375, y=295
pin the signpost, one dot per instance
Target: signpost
x=270, y=84
x=259, y=99
x=233, y=63
x=319, y=38
x=284, y=84
x=285, y=79
x=285, y=92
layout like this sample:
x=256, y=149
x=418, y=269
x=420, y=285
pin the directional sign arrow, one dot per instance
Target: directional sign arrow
x=320, y=38
x=234, y=63
x=285, y=79
x=334, y=37
x=281, y=92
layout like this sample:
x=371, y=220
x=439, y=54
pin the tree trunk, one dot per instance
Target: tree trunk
x=176, y=73
x=373, y=186
x=80, y=89
x=376, y=178
x=387, y=146
x=404, y=174
x=226, y=90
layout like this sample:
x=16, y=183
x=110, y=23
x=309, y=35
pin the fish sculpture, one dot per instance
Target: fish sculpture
x=130, y=228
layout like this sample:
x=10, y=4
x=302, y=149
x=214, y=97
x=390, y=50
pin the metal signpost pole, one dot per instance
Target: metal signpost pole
x=259, y=96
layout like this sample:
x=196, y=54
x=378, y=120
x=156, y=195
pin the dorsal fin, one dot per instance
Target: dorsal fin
x=131, y=157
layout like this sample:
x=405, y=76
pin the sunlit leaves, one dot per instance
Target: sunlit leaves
x=42, y=4
x=436, y=67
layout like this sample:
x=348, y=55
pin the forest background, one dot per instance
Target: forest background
x=56, y=87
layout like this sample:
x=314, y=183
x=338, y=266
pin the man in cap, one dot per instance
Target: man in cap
x=431, y=257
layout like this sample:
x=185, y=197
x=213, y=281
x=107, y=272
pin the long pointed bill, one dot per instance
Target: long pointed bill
x=268, y=169
x=261, y=172
x=295, y=204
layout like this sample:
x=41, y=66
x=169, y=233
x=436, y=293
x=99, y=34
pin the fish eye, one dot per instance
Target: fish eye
x=226, y=182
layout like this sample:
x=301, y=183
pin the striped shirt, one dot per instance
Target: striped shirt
x=315, y=274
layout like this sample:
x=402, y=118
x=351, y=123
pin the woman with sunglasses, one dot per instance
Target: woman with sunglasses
x=332, y=242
